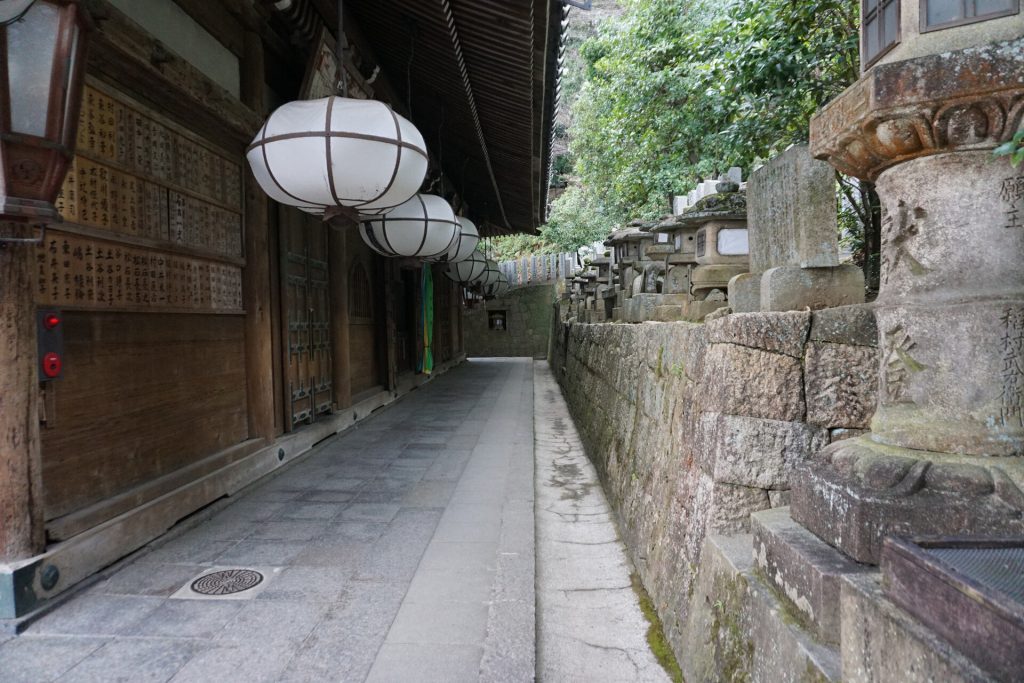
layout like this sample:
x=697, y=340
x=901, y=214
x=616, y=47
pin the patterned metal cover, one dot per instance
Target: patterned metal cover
x=999, y=568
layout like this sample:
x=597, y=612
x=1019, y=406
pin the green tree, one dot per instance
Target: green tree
x=673, y=92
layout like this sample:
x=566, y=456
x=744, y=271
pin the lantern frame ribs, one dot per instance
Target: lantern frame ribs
x=33, y=167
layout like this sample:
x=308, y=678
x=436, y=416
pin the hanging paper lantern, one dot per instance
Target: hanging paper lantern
x=423, y=227
x=490, y=275
x=338, y=151
x=467, y=270
x=465, y=245
x=499, y=288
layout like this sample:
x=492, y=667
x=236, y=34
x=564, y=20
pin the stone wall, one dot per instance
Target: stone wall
x=527, y=323
x=693, y=427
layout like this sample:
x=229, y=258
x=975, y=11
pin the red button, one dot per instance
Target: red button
x=51, y=321
x=52, y=365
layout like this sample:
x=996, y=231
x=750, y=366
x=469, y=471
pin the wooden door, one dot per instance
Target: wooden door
x=306, y=314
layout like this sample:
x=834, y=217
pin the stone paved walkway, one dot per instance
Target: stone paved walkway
x=590, y=627
x=401, y=551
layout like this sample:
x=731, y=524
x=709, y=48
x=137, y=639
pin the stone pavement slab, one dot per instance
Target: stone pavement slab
x=389, y=545
x=404, y=550
x=589, y=623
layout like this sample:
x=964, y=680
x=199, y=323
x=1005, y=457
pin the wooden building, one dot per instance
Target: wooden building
x=211, y=335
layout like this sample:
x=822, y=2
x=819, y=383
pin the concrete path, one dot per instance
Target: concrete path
x=589, y=626
x=401, y=551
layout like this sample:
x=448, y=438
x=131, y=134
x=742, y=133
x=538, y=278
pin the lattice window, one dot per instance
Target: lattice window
x=360, y=297
x=936, y=14
x=880, y=28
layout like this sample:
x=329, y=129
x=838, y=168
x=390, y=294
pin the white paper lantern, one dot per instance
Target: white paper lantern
x=498, y=288
x=466, y=243
x=490, y=275
x=467, y=270
x=338, y=151
x=423, y=227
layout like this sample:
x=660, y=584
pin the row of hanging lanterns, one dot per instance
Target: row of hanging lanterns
x=337, y=151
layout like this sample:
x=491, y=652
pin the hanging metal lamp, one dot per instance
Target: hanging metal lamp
x=423, y=227
x=41, y=83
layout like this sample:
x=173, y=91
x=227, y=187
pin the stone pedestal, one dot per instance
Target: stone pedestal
x=951, y=308
x=745, y=293
x=794, y=247
x=791, y=288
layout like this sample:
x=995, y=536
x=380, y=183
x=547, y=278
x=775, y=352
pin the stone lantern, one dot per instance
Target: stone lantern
x=717, y=224
x=945, y=452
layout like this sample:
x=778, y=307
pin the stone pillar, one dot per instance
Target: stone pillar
x=21, y=489
x=951, y=307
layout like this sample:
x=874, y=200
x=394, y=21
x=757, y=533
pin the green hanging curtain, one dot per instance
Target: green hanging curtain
x=427, y=320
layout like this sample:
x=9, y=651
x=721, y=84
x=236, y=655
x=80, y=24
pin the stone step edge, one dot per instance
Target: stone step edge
x=803, y=571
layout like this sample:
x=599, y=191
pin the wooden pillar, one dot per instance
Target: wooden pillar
x=341, y=347
x=21, y=491
x=455, y=310
x=259, y=361
x=390, y=273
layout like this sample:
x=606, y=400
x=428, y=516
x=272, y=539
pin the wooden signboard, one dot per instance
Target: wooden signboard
x=153, y=217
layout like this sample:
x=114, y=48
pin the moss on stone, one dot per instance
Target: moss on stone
x=655, y=633
x=733, y=650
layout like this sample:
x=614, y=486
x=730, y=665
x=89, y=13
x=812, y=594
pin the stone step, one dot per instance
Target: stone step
x=802, y=569
x=738, y=629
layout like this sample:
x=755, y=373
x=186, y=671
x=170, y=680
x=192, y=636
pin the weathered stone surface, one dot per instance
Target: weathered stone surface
x=667, y=313
x=697, y=311
x=729, y=506
x=640, y=307
x=782, y=650
x=841, y=384
x=779, y=332
x=716, y=642
x=883, y=644
x=790, y=288
x=856, y=492
x=736, y=630
x=745, y=292
x=753, y=452
x=952, y=377
x=842, y=433
x=792, y=204
x=528, y=321
x=803, y=568
x=738, y=380
x=677, y=280
x=845, y=325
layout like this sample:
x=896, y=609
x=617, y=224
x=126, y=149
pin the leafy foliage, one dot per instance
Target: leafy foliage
x=1013, y=149
x=672, y=93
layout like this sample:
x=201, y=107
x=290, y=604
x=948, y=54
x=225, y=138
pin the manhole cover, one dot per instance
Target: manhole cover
x=227, y=582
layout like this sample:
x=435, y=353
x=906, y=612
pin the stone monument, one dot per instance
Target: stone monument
x=794, y=245
x=944, y=456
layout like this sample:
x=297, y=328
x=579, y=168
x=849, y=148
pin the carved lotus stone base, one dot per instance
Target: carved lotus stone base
x=856, y=492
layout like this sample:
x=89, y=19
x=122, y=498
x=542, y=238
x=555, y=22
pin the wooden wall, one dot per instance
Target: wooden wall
x=147, y=268
x=366, y=313
x=143, y=395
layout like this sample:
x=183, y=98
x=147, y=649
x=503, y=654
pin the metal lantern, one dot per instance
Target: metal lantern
x=423, y=227
x=41, y=76
x=338, y=151
x=466, y=243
